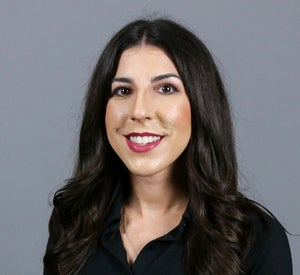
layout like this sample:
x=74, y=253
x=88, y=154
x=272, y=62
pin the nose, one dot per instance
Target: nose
x=142, y=107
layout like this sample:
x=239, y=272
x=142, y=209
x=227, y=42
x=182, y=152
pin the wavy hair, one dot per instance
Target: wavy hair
x=222, y=229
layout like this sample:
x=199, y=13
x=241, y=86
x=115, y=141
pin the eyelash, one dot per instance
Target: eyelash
x=122, y=91
x=169, y=85
x=119, y=91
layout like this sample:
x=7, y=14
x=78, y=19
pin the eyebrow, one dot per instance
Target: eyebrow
x=164, y=76
x=154, y=79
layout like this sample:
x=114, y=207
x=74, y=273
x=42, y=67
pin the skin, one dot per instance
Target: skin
x=149, y=96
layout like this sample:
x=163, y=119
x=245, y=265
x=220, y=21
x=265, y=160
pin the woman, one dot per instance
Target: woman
x=155, y=189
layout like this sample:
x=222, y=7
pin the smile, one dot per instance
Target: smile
x=144, y=140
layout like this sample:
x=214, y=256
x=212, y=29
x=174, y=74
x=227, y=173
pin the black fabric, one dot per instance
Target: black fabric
x=270, y=253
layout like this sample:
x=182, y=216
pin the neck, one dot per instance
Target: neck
x=156, y=194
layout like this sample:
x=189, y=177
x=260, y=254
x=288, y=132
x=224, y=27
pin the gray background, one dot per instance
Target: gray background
x=47, y=52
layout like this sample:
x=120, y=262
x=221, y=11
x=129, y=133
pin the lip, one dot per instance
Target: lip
x=142, y=148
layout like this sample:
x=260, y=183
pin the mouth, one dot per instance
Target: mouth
x=143, y=142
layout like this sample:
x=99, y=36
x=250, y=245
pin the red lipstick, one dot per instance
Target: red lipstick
x=139, y=143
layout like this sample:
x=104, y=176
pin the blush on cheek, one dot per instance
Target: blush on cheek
x=116, y=111
x=109, y=121
x=186, y=113
x=111, y=114
x=180, y=113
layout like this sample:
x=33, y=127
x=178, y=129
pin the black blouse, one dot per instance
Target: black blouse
x=270, y=253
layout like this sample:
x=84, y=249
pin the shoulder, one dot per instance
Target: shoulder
x=270, y=251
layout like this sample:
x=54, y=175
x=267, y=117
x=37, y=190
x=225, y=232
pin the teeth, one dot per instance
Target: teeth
x=143, y=140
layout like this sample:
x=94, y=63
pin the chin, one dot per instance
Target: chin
x=143, y=173
x=149, y=171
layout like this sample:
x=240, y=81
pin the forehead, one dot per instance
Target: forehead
x=145, y=58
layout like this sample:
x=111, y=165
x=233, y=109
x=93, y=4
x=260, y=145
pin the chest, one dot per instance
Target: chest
x=164, y=255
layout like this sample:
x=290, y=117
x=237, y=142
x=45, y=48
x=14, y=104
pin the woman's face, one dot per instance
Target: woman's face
x=148, y=117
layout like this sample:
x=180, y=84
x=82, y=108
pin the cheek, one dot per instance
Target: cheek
x=113, y=116
x=108, y=115
x=111, y=121
x=180, y=115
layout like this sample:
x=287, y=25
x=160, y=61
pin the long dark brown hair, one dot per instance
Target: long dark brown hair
x=222, y=229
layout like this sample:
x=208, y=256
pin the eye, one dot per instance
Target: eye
x=121, y=91
x=167, y=89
